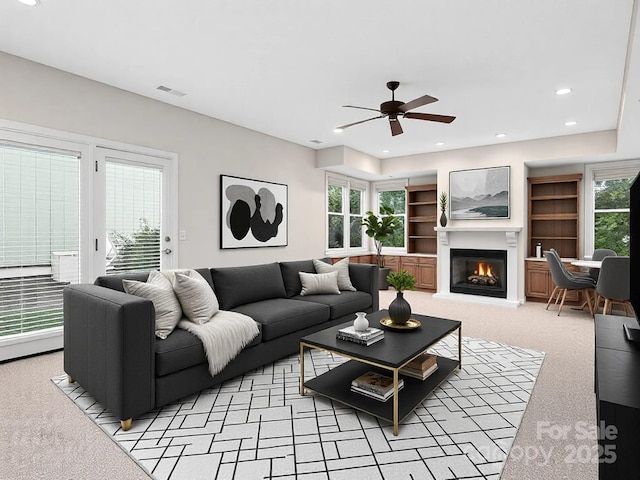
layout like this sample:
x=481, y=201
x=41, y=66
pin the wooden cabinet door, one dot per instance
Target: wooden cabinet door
x=427, y=273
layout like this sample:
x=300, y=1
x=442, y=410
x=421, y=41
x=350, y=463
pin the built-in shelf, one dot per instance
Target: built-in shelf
x=422, y=212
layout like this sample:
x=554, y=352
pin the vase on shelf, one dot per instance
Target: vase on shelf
x=443, y=219
x=360, y=324
x=399, y=310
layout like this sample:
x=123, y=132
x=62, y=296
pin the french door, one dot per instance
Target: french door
x=70, y=211
x=134, y=224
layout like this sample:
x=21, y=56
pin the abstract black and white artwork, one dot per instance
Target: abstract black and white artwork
x=481, y=193
x=253, y=213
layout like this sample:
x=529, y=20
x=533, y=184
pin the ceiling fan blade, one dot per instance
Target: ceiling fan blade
x=356, y=123
x=418, y=102
x=430, y=116
x=361, y=108
x=396, y=128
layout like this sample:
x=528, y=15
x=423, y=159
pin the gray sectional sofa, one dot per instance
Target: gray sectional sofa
x=111, y=350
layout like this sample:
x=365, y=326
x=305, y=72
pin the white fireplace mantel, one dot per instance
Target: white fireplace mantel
x=490, y=237
x=510, y=233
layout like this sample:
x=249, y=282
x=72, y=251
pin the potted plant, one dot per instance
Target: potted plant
x=380, y=228
x=399, y=309
x=443, y=208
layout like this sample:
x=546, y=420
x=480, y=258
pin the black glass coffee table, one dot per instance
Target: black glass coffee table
x=397, y=349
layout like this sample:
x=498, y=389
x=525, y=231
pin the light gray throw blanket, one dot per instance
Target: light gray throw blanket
x=223, y=336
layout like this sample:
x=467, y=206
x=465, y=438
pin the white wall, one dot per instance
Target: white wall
x=35, y=94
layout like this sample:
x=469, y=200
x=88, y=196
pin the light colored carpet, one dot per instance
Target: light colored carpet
x=259, y=427
x=43, y=435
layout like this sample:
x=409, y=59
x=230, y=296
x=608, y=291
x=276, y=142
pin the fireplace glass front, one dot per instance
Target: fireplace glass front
x=479, y=272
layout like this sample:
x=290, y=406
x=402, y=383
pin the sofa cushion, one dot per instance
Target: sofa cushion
x=342, y=267
x=240, y=285
x=290, y=275
x=343, y=304
x=196, y=297
x=280, y=316
x=114, y=282
x=319, y=283
x=159, y=290
x=182, y=350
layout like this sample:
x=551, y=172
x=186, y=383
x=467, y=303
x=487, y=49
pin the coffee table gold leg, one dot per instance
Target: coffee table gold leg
x=460, y=347
x=395, y=402
x=301, y=369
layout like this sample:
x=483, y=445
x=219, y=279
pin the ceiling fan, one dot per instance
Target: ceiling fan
x=394, y=108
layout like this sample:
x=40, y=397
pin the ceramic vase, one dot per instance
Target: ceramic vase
x=360, y=324
x=399, y=310
x=443, y=219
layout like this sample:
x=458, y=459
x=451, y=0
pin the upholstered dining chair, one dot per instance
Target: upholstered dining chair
x=565, y=281
x=614, y=284
x=598, y=255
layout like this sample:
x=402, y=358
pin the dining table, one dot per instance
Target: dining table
x=587, y=263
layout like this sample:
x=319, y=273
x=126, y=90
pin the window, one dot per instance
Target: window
x=607, y=206
x=61, y=199
x=394, y=196
x=346, y=200
x=39, y=236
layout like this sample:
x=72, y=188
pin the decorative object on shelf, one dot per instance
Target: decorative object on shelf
x=253, y=213
x=539, y=250
x=380, y=228
x=411, y=324
x=361, y=323
x=481, y=193
x=399, y=309
x=443, y=208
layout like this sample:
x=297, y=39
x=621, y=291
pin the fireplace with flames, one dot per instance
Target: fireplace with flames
x=479, y=272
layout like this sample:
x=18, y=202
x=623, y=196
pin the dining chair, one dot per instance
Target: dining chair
x=598, y=255
x=614, y=284
x=565, y=281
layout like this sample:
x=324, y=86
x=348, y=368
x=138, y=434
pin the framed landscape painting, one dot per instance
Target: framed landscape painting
x=253, y=213
x=481, y=193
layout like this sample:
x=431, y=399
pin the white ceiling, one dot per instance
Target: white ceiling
x=285, y=67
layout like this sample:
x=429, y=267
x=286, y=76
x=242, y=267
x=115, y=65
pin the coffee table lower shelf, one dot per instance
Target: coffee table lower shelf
x=336, y=385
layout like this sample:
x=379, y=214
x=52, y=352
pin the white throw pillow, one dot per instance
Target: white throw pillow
x=342, y=267
x=159, y=290
x=196, y=296
x=319, y=283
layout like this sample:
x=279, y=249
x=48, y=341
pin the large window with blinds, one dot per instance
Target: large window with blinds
x=71, y=210
x=39, y=236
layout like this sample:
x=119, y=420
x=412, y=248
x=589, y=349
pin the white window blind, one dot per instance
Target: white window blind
x=133, y=217
x=39, y=235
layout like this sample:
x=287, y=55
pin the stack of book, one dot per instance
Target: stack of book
x=375, y=385
x=364, y=337
x=420, y=367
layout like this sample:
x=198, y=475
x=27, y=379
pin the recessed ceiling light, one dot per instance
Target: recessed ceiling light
x=31, y=3
x=501, y=135
x=385, y=151
x=563, y=91
x=338, y=130
x=570, y=123
x=439, y=144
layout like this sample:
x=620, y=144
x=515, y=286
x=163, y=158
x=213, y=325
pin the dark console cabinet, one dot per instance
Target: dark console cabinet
x=617, y=388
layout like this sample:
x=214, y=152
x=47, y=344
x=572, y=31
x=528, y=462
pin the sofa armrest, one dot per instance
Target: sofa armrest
x=109, y=347
x=365, y=278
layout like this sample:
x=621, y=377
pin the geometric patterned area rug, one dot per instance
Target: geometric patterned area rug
x=257, y=426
